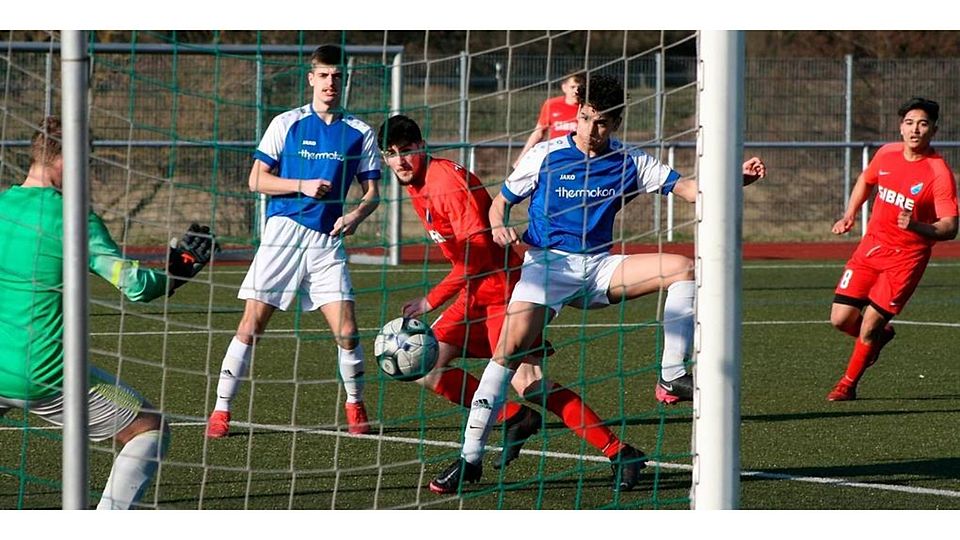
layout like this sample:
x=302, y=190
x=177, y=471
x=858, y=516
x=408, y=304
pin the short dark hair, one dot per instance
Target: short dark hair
x=46, y=145
x=328, y=55
x=579, y=76
x=604, y=93
x=398, y=131
x=932, y=108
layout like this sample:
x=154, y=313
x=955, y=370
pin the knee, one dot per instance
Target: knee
x=144, y=422
x=839, y=322
x=686, y=272
x=680, y=269
x=846, y=323
x=871, y=329
x=530, y=383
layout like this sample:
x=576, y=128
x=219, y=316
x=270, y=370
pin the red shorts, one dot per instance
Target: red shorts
x=885, y=277
x=475, y=328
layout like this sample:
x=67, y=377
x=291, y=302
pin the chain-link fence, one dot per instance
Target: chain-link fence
x=174, y=128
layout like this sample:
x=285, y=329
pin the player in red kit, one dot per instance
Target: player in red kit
x=558, y=115
x=453, y=206
x=915, y=206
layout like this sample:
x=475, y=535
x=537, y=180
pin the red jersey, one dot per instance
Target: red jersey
x=926, y=187
x=453, y=206
x=557, y=115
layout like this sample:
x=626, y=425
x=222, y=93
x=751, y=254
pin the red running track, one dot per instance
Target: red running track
x=420, y=253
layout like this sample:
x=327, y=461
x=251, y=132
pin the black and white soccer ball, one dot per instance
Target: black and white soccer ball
x=406, y=349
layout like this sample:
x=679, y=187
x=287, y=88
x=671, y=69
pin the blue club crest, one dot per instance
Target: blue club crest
x=916, y=188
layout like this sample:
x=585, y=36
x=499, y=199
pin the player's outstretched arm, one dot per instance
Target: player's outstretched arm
x=106, y=260
x=416, y=307
x=753, y=169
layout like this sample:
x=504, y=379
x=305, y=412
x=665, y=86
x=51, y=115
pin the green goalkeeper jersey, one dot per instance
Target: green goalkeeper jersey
x=31, y=287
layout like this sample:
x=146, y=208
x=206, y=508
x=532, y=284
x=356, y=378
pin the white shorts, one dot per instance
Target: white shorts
x=112, y=406
x=555, y=278
x=296, y=262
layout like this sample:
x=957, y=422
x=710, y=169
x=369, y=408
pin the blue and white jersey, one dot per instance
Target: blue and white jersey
x=299, y=145
x=574, y=199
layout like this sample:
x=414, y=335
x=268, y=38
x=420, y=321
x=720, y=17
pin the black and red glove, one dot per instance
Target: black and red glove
x=190, y=254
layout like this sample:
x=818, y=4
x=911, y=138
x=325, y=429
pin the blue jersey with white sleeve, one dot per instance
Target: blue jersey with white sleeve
x=574, y=199
x=299, y=145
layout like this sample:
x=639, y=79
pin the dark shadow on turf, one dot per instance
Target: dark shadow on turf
x=362, y=483
x=899, y=473
x=816, y=415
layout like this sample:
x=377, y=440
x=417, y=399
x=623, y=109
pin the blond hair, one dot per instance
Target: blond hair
x=46, y=145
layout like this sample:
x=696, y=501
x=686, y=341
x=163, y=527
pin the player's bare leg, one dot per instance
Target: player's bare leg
x=874, y=333
x=342, y=321
x=846, y=318
x=642, y=274
x=236, y=363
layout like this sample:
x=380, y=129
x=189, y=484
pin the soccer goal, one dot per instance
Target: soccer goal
x=175, y=119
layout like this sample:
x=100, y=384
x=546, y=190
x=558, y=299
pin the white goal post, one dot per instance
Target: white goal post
x=716, y=430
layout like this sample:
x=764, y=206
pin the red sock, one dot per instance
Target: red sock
x=858, y=361
x=458, y=387
x=581, y=419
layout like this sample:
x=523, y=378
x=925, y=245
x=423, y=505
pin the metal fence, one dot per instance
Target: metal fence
x=174, y=128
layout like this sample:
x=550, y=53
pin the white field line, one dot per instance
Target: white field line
x=838, y=482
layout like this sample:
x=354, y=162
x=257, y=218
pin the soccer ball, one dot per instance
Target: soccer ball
x=406, y=349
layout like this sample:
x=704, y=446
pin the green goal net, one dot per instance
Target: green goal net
x=175, y=119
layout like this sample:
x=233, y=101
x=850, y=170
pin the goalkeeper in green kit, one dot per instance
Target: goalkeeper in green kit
x=31, y=317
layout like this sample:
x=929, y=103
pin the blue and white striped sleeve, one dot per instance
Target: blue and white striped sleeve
x=524, y=179
x=271, y=145
x=369, y=167
x=652, y=175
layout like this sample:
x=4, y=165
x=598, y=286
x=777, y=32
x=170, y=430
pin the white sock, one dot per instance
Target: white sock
x=677, y=329
x=232, y=370
x=487, y=400
x=351, y=371
x=133, y=468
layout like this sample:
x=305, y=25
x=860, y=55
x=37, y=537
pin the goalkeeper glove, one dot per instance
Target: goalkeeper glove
x=190, y=254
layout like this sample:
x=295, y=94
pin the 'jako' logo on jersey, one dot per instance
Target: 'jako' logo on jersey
x=568, y=177
x=897, y=199
x=585, y=193
x=306, y=154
